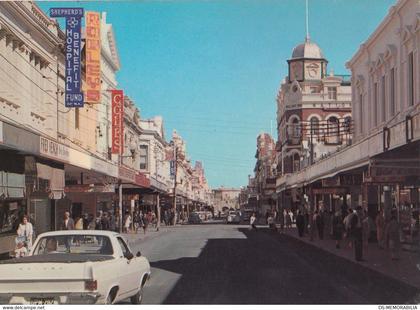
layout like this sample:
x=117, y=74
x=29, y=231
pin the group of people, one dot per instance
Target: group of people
x=139, y=221
x=354, y=228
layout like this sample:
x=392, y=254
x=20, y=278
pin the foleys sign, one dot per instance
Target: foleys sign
x=117, y=121
x=93, y=57
x=74, y=96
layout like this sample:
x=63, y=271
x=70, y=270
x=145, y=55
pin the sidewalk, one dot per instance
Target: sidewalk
x=406, y=269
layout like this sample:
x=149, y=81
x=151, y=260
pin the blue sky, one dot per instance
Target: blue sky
x=212, y=69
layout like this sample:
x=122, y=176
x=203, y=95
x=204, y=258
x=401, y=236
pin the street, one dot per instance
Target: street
x=229, y=264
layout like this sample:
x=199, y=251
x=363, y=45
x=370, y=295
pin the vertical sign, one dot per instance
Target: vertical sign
x=74, y=96
x=117, y=121
x=93, y=57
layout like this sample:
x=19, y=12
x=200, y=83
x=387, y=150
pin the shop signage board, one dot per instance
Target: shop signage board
x=53, y=149
x=93, y=57
x=73, y=82
x=104, y=167
x=117, y=121
x=142, y=180
x=329, y=190
x=126, y=174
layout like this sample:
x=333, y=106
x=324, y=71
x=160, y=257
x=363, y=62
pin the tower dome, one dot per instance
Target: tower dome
x=307, y=49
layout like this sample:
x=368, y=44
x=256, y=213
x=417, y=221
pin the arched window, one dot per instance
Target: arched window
x=333, y=130
x=294, y=130
x=314, y=123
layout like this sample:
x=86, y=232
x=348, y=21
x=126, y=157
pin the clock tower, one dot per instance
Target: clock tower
x=307, y=63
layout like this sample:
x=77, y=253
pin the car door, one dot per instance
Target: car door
x=128, y=271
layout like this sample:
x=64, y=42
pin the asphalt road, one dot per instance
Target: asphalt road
x=229, y=264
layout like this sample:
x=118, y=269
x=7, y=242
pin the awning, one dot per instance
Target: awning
x=12, y=185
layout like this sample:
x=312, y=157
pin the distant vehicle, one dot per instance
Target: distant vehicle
x=194, y=218
x=233, y=217
x=75, y=267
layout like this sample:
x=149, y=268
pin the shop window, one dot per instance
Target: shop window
x=144, y=150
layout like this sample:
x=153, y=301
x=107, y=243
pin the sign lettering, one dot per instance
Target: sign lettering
x=93, y=57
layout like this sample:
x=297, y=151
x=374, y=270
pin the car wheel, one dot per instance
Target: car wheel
x=138, y=298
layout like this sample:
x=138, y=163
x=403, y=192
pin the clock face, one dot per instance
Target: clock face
x=312, y=70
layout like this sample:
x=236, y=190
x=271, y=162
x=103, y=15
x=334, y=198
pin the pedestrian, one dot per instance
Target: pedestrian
x=105, y=221
x=365, y=231
x=92, y=222
x=67, y=222
x=281, y=220
x=346, y=223
x=25, y=232
x=145, y=223
x=311, y=226
x=393, y=236
x=78, y=223
x=288, y=219
x=300, y=223
x=85, y=221
x=112, y=226
x=98, y=221
x=252, y=221
x=127, y=222
x=380, y=228
x=319, y=221
x=337, y=228
x=271, y=224
x=356, y=233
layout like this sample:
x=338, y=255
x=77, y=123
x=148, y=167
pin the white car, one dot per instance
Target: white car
x=233, y=217
x=75, y=267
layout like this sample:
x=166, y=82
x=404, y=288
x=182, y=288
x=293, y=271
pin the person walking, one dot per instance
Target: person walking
x=25, y=232
x=288, y=219
x=393, y=236
x=105, y=221
x=252, y=221
x=365, y=231
x=319, y=221
x=145, y=222
x=346, y=222
x=281, y=220
x=67, y=222
x=356, y=233
x=337, y=228
x=300, y=223
x=380, y=228
x=127, y=222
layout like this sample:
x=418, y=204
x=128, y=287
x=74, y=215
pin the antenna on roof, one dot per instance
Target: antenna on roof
x=307, y=22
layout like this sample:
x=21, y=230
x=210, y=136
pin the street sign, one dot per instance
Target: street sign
x=73, y=82
x=117, y=97
x=93, y=57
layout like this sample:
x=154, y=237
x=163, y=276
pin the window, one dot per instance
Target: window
x=392, y=92
x=76, y=118
x=296, y=162
x=314, y=123
x=144, y=157
x=332, y=93
x=383, y=110
x=361, y=112
x=375, y=104
x=410, y=79
x=333, y=130
x=124, y=247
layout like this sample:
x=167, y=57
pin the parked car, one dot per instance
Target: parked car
x=75, y=267
x=233, y=217
x=194, y=218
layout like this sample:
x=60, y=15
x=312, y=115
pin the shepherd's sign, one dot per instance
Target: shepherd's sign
x=74, y=95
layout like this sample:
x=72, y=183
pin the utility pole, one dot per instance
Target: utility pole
x=175, y=182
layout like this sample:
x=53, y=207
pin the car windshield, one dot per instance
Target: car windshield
x=74, y=244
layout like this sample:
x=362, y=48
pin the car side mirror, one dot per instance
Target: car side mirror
x=129, y=256
x=138, y=254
